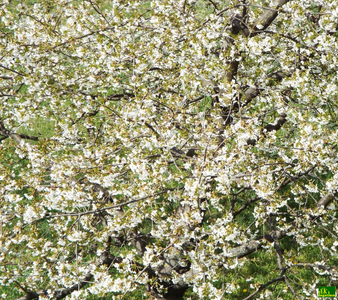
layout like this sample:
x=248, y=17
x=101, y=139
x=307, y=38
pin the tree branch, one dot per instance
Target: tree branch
x=268, y=16
x=263, y=286
x=105, y=259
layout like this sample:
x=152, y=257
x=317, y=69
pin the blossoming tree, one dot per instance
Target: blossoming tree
x=171, y=149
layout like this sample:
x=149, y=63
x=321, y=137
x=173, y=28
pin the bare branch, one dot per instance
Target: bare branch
x=1, y=66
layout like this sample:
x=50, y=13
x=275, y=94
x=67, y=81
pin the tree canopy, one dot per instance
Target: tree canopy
x=174, y=149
